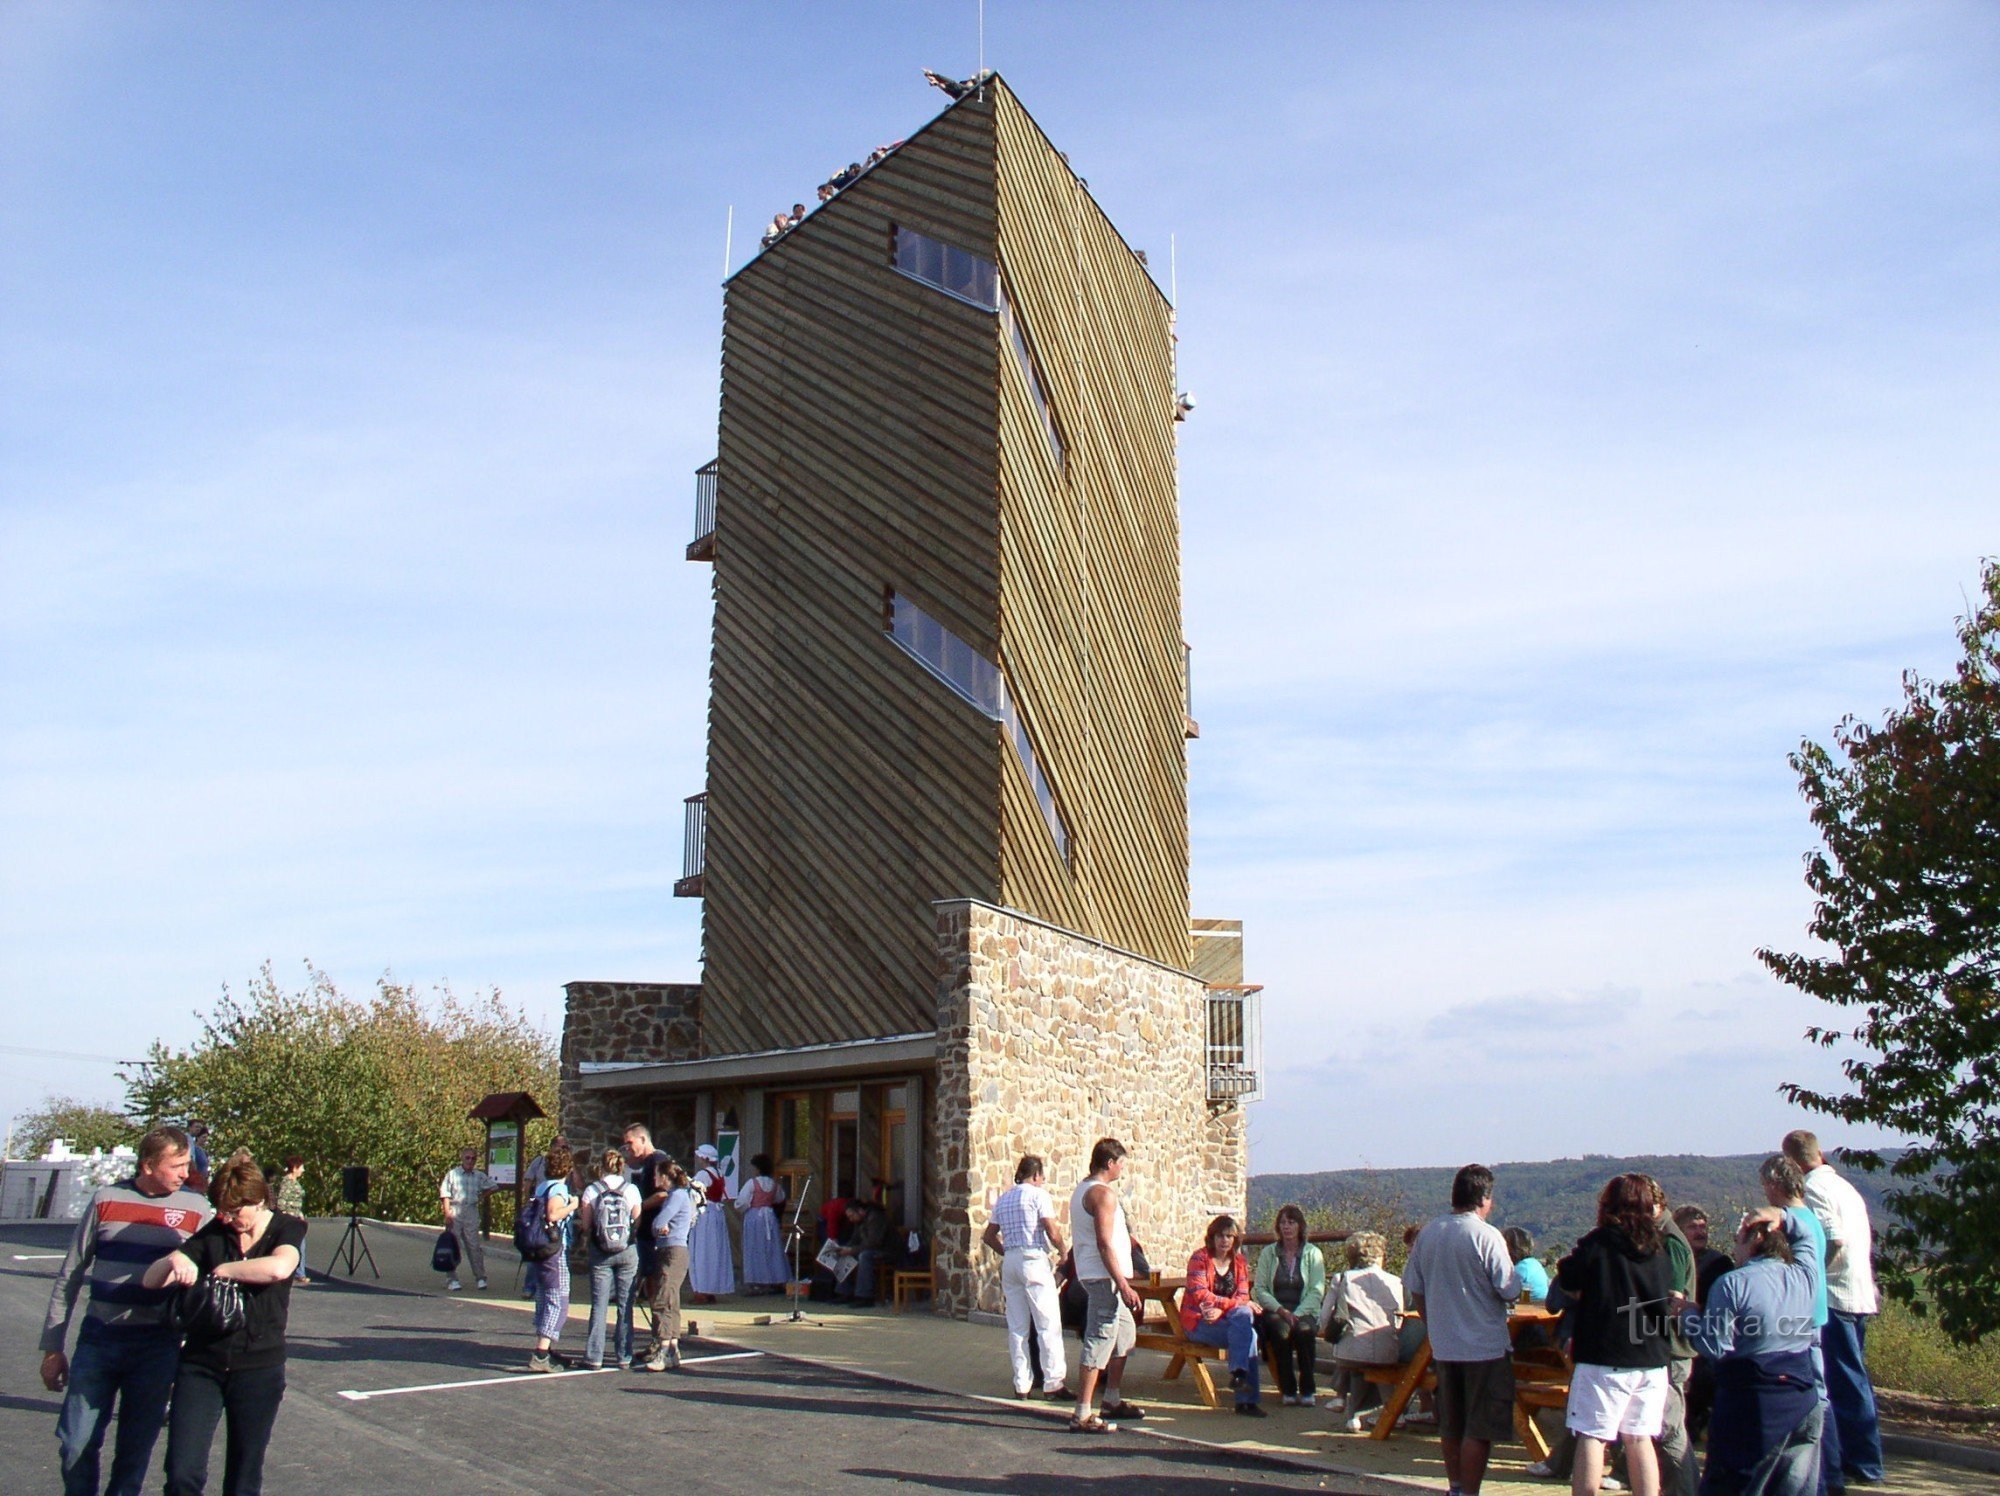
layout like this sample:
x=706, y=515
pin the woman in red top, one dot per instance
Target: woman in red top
x=1216, y=1308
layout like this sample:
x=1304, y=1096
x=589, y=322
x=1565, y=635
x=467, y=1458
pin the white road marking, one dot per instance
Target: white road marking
x=528, y=1376
x=38, y=1257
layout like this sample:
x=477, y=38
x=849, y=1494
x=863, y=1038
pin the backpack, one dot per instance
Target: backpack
x=532, y=1237
x=444, y=1256
x=612, y=1219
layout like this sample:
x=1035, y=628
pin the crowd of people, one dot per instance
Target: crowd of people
x=1664, y=1339
x=783, y=223
x=651, y=1234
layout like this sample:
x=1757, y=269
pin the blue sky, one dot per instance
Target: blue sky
x=1594, y=400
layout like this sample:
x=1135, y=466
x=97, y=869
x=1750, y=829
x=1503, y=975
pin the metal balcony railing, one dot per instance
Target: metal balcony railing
x=703, y=546
x=1235, y=1043
x=694, y=846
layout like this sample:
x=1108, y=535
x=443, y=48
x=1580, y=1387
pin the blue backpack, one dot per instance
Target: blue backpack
x=532, y=1237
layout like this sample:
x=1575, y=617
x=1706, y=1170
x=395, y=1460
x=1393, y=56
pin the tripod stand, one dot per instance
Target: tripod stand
x=350, y=1240
x=798, y=1236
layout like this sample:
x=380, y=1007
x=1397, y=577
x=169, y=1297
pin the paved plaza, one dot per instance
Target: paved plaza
x=398, y=1387
x=393, y=1390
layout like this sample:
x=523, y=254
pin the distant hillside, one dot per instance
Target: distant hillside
x=1555, y=1200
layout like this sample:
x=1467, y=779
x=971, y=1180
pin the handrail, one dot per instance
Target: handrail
x=694, y=846
x=703, y=546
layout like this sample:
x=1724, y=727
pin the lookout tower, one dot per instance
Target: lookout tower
x=942, y=850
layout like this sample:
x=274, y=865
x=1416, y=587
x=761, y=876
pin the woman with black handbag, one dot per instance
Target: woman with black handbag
x=235, y=1279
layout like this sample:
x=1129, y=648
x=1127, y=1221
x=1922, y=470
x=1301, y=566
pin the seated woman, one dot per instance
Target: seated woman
x=1216, y=1308
x=1366, y=1302
x=1534, y=1290
x=1534, y=1277
x=1291, y=1281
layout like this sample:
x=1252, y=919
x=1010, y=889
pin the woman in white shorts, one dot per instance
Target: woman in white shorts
x=1620, y=1280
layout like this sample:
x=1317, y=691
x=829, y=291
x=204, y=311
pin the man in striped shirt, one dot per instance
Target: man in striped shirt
x=1024, y=1228
x=125, y=1351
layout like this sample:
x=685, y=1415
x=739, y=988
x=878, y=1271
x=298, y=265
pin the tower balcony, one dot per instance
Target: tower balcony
x=1235, y=1043
x=694, y=846
x=702, y=548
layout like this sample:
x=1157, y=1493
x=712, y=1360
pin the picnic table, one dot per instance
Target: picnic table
x=1541, y=1379
x=1164, y=1290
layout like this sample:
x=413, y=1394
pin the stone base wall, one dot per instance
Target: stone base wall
x=1048, y=1041
x=652, y=1022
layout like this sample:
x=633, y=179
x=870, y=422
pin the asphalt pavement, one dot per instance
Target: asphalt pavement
x=399, y=1391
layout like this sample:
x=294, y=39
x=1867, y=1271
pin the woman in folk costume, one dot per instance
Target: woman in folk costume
x=763, y=1243
x=711, y=1270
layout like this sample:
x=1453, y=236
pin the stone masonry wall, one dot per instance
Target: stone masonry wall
x=1047, y=1042
x=654, y=1022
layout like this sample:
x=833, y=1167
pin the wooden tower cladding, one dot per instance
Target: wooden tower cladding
x=1090, y=579
x=1001, y=460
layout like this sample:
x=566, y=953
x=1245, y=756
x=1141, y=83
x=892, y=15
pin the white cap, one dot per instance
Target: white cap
x=707, y=1151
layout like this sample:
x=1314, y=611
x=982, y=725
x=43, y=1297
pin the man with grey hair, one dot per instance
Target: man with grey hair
x=460, y=1192
x=1850, y=1302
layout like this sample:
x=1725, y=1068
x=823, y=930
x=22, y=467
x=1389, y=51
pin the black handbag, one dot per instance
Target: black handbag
x=210, y=1308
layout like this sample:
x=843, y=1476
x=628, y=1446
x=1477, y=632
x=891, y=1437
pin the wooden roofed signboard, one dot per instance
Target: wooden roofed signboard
x=506, y=1115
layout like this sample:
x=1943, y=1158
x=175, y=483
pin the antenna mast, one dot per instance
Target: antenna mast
x=728, y=239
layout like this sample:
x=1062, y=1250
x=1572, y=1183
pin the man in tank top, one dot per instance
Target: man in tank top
x=1103, y=1251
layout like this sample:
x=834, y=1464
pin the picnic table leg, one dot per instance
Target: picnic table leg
x=1206, y=1383
x=1392, y=1410
x=1529, y=1432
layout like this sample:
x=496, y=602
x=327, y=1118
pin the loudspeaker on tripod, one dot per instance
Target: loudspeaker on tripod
x=354, y=1185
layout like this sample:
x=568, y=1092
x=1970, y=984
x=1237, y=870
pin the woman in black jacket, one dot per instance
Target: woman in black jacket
x=239, y=1376
x=1620, y=1280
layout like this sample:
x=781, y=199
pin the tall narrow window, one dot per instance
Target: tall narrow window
x=1024, y=355
x=956, y=272
x=980, y=683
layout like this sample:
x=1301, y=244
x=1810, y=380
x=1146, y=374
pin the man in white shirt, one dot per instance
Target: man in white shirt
x=459, y=1193
x=1024, y=1228
x=1850, y=1302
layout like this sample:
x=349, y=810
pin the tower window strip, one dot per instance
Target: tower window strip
x=1024, y=356
x=954, y=271
x=980, y=683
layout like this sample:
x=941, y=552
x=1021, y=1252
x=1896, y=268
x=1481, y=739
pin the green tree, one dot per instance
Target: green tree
x=1907, y=885
x=386, y=1081
x=85, y=1124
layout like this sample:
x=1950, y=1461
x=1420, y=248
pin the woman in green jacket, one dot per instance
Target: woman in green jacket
x=1289, y=1283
